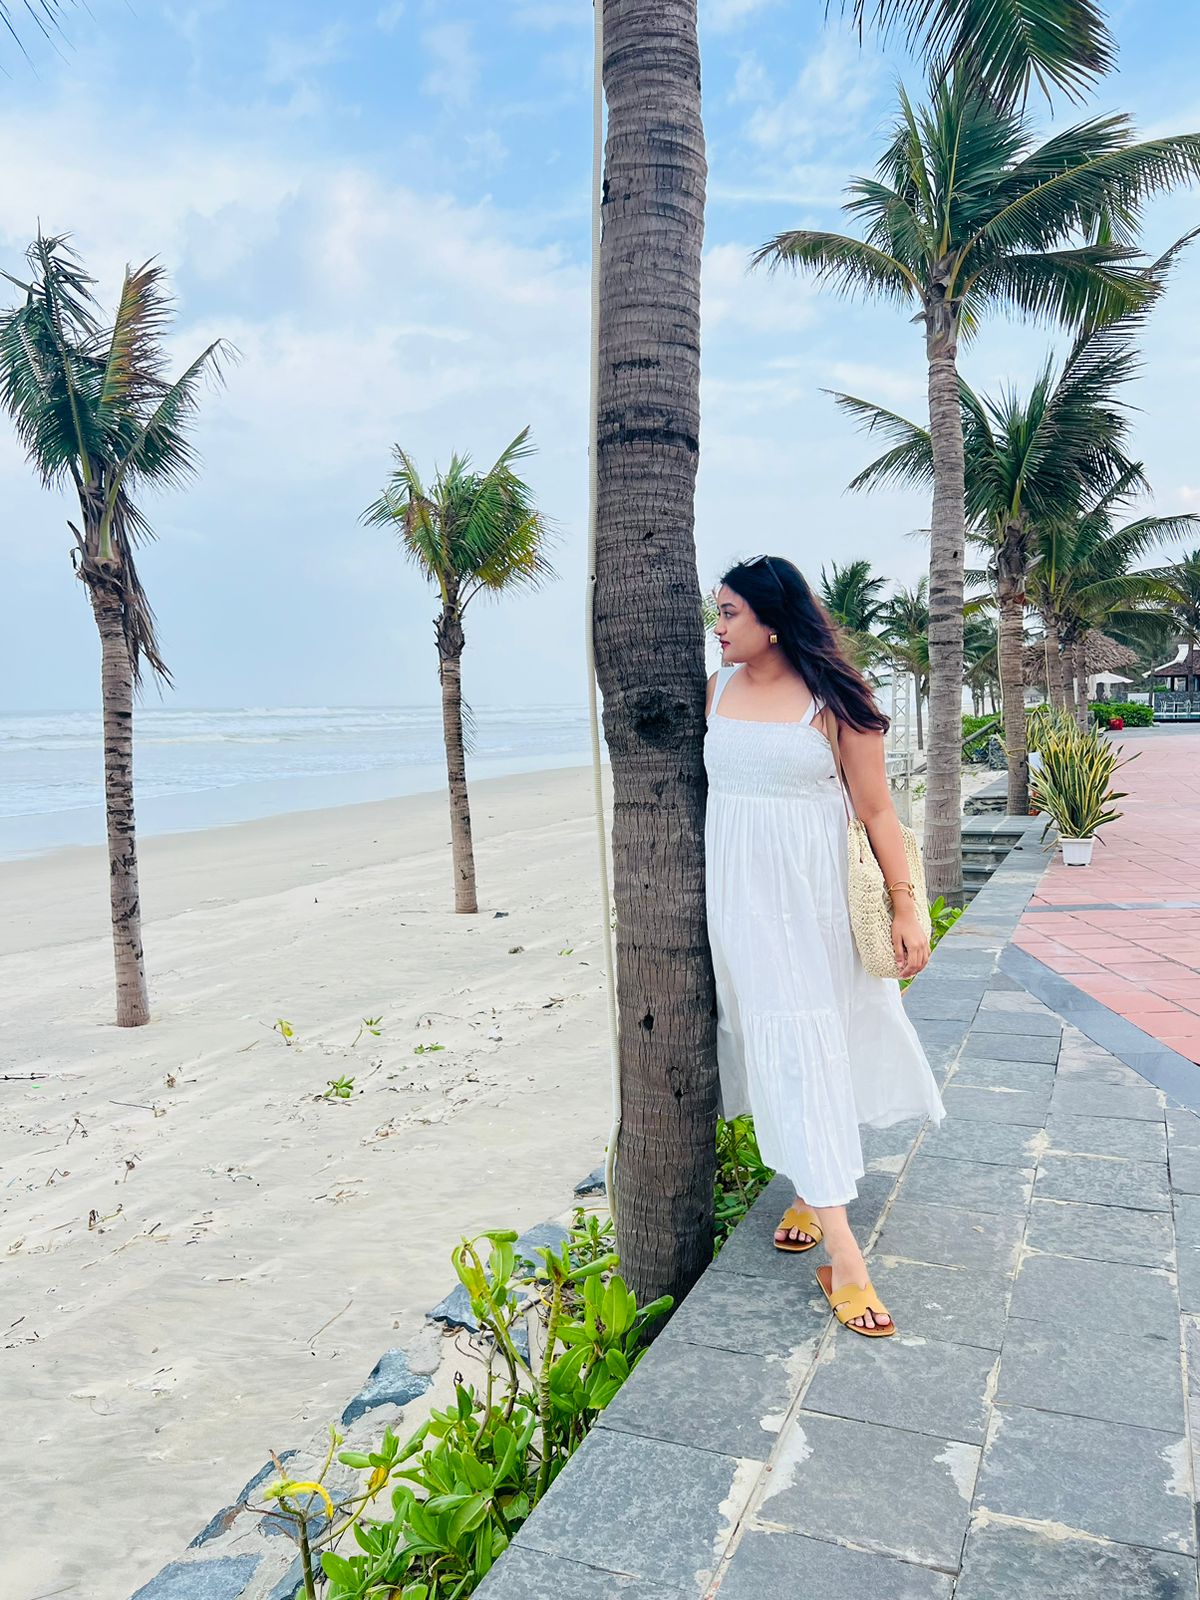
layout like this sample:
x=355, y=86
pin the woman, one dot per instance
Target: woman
x=806, y=1041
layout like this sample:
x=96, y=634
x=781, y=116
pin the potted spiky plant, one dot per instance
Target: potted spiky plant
x=1073, y=784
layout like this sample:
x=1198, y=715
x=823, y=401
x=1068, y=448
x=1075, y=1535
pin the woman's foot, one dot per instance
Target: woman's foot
x=794, y=1235
x=849, y=1267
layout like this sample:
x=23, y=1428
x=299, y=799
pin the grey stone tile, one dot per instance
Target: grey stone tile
x=938, y=999
x=1101, y=1233
x=1103, y=1478
x=821, y=1486
x=1048, y=1366
x=968, y=1185
x=1025, y=1106
x=1183, y=1128
x=216, y=1578
x=1003, y=1563
x=1007, y=1144
x=1010, y=1045
x=522, y=1574
x=643, y=1508
x=1110, y=1298
x=1032, y=1075
x=750, y=1249
x=1106, y=1100
x=788, y=1564
x=865, y=1210
x=924, y=1385
x=720, y=1400
x=1186, y=1208
x=756, y=1316
x=886, y=1149
x=1189, y=1278
x=1016, y=999
x=1100, y=1069
x=1130, y=1137
x=941, y=1040
x=1003, y=983
x=1017, y=1014
x=1185, y=1169
x=960, y=1304
x=1103, y=1180
x=950, y=1237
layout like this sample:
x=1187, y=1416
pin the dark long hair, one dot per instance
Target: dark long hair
x=778, y=594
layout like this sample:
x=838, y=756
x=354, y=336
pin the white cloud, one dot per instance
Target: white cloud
x=545, y=15
x=720, y=16
x=1188, y=498
x=387, y=17
x=834, y=87
x=292, y=58
x=734, y=297
x=454, y=66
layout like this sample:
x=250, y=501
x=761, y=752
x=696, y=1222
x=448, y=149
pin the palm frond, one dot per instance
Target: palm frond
x=848, y=264
x=1008, y=44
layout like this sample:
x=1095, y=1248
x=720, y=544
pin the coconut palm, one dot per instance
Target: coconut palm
x=1085, y=581
x=980, y=657
x=964, y=216
x=905, y=639
x=95, y=413
x=1183, y=600
x=1030, y=460
x=854, y=597
x=470, y=533
x=649, y=643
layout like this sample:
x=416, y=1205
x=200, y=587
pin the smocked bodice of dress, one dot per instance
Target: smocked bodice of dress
x=767, y=759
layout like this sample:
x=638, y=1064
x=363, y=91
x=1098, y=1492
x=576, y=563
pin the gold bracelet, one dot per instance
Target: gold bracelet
x=892, y=887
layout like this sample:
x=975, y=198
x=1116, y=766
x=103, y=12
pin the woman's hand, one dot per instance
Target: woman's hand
x=909, y=940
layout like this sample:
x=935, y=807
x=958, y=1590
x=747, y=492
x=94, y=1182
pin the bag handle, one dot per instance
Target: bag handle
x=829, y=720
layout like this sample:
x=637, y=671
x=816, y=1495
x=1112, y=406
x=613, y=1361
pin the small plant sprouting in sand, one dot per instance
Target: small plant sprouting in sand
x=284, y=1029
x=371, y=1025
x=426, y=1049
x=340, y=1089
x=569, y=951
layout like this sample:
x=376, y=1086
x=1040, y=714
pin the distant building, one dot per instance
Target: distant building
x=1176, y=685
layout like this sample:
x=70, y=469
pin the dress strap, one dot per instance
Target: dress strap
x=723, y=676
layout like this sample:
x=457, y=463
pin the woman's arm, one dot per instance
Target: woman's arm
x=866, y=776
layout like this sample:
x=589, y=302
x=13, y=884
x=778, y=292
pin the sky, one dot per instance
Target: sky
x=386, y=208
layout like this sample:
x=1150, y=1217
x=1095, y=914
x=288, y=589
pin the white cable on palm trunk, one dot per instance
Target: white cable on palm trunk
x=610, y=966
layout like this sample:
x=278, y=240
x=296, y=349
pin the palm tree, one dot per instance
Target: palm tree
x=853, y=595
x=469, y=533
x=966, y=215
x=1029, y=461
x=42, y=13
x=94, y=412
x=905, y=636
x=980, y=655
x=1183, y=603
x=1084, y=581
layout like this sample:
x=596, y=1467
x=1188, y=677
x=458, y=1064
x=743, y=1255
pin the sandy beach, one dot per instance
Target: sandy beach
x=181, y=1210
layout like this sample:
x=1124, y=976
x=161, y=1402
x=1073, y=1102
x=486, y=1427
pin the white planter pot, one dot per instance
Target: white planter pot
x=1077, y=852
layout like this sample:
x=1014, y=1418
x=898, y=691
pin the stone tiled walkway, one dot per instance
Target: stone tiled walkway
x=1024, y=1435
x=1126, y=930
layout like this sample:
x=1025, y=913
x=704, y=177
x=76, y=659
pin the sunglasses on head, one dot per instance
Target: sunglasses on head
x=755, y=561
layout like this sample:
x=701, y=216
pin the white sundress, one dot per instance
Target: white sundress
x=807, y=1041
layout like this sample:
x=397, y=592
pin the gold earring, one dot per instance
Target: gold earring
x=774, y=638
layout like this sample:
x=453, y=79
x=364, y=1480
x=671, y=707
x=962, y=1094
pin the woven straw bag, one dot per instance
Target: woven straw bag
x=870, y=903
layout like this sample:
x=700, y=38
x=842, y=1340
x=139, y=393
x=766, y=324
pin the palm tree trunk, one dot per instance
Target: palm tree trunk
x=116, y=694
x=920, y=722
x=1079, y=695
x=1056, y=683
x=943, y=805
x=649, y=638
x=1012, y=696
x=450, y=646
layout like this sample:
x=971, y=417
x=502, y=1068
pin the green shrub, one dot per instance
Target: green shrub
x=1131, y=713
x=976, y=733
x=444, y=1505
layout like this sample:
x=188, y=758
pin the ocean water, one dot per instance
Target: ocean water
x=197, y=769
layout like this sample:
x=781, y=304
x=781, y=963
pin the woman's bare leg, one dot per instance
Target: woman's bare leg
x=846, y=1260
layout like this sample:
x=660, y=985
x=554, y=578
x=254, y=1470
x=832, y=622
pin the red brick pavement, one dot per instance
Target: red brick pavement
x=1142, y=961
